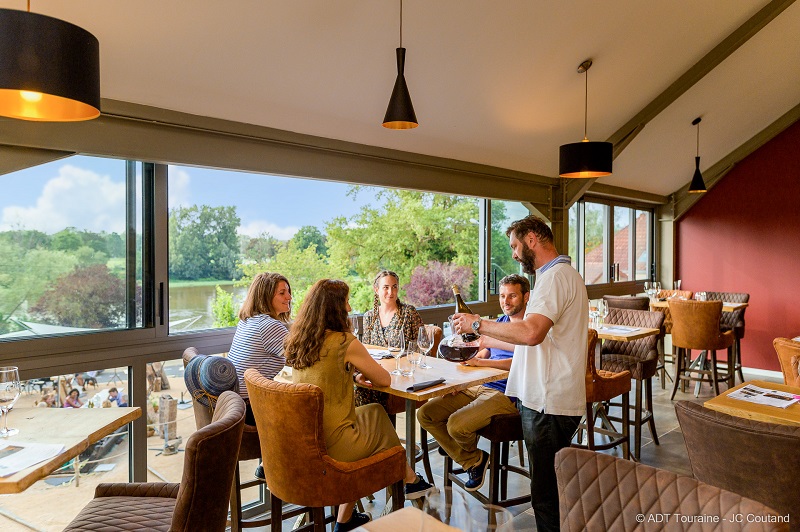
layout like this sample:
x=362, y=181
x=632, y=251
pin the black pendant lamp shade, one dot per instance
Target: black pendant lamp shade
x=49, y=69
x=585, y=159
x=400, y=113
x=697, y=186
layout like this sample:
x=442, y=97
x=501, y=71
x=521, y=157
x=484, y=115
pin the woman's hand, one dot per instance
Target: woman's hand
x=474, y=362
x=362, y=380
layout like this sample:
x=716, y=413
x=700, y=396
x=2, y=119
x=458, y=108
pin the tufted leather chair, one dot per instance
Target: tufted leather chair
x=628, y=302
x=666, y=328
x=640, y=358
x=735, y=321
x=789, y=357
x=197, y=503
x=601, y=492
x=752, y=458
x=603, y=386
x=296, y=461
x=696, y=325
x=250, y=449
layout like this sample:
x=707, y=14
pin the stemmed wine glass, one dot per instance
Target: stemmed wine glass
x=354, y=325
x=397, y=348
x=602, y=312
x=425, y=342
x=10, y=389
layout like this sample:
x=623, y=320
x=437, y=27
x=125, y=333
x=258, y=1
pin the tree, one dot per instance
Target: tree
x=407, y=230
x=432, y=284
x=309, y=235
x=67, y=240
x=503, y=262
x=264, y=247
x=86, y=297
x=222, y=308
x=203, y=242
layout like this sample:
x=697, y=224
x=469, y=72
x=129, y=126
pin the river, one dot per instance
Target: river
x=190, y=306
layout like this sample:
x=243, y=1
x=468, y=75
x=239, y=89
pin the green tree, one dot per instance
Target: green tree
x=203, y=242
x=308, y=235
x=408, y=229
x=223, y=309
x=264, y=247
x=67, y=240
x=503, y=262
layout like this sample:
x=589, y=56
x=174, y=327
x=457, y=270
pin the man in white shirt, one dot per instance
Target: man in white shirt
x=549, y=365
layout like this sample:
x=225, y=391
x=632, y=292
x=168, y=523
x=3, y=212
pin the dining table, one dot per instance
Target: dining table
x=624, y=333
x=745, y=409
x=727, y=306
x=408, y=518
x=74, y=428
x=456, y=377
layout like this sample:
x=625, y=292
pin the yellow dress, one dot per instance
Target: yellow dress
x=350, y=433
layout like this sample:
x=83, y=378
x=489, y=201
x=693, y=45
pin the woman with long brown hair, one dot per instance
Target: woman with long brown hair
x=322, y=351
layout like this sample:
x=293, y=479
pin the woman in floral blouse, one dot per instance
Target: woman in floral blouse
x=384, y=323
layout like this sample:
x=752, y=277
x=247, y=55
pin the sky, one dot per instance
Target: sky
x=88, y=193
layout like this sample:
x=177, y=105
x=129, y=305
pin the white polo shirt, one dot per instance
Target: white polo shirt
x=551, y=377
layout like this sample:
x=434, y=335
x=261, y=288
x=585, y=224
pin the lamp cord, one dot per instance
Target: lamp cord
x=586, y=106
x=698, y=139
x=401, y=23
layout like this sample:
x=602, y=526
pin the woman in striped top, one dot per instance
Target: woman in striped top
x=263, y=325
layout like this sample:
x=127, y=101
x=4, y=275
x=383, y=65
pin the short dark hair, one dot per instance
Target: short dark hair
x=113, y=390
x=531, y=224
x=516, y=278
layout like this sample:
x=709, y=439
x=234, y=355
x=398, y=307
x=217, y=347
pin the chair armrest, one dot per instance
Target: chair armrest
x=138, y=489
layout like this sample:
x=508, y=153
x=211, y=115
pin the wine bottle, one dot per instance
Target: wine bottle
x=464, y=309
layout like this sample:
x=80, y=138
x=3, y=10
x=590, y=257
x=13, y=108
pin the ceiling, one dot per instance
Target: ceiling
x=492, y=82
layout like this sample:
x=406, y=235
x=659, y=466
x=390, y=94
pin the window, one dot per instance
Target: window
x=225, y=227
x=70, y=248
x=502, y=261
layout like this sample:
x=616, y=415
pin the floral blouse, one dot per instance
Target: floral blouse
x=406, y=321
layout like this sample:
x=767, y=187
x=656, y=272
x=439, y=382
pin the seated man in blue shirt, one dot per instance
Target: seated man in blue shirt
x=454, y=419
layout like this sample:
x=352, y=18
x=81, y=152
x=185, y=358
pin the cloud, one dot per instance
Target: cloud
x=179, y=193
x=255, y=228
x=77, y=198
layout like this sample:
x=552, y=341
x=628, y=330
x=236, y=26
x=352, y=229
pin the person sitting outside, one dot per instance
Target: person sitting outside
x=72, y=400
x=123, y=400
x=113, y=396
x=322, y=351
x=455, y=419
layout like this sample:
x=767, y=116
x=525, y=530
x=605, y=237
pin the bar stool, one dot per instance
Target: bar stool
x=733, y=320
x=602, y=386
x=501, y=431
x=666, y=329
x=696, y=325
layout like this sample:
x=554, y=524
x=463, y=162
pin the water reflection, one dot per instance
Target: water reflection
x=190, y=306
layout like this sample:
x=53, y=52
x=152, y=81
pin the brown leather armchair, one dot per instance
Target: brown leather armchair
x=734, y=321
x=601, y=492
x=296, y=463
x=627, y=302
x=197, y=503
x=789, y=357
x=640, y=358
x=666, y=328
x=752, y=458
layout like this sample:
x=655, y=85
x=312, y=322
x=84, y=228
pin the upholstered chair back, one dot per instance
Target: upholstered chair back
x=643, y=350
x=597, y=491
x=208, y=470
x=752, y=458
x=629, y=302
x=695, y=323
x=789, y=357
x=667, y=327
x=735, y=319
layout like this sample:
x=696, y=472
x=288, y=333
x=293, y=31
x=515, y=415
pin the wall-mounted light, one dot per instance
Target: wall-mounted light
x=400, y=113
x=698, y=186
x=50, y=68
x=585, y=159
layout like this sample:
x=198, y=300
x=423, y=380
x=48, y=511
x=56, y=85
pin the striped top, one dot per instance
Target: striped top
x=258, y=344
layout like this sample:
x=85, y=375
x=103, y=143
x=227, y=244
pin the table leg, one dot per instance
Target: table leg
x=411, y=431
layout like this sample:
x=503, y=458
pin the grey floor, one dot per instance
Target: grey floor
x=670, y=454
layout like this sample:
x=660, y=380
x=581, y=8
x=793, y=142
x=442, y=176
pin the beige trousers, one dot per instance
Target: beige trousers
x=454, y=420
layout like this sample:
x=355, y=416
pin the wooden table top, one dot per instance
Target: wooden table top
x=641, y=332
x=726, y=306
x=408, y=518
x=457, y=377
x=75, y=428
x=768, y=414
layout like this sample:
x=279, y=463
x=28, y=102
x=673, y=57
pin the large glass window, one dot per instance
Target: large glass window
x=623, y=244
x=225, y=227
x=595, y=269
x=70, y=250
x=502, y=262
x=644, y=244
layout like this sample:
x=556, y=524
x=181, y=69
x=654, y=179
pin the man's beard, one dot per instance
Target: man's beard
x=514, y=310
x=528, y=260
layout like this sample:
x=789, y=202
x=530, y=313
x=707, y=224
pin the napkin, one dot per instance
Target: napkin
x=422, y=385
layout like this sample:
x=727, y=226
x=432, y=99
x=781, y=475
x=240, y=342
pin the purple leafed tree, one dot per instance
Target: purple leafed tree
x=432, y=284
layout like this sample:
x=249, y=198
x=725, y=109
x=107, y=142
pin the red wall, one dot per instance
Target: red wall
x=744, y=236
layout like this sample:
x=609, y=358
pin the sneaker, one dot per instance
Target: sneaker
x=356, y=520
x=477, y=473
x=417, y=489
x=259, y=473
x=441, y=451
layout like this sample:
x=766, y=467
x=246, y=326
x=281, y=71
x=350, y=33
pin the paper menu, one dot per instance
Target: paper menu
x=15, y=457
x=763, y=396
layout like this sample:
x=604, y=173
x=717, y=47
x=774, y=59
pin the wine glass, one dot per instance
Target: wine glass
x=397, y=347
x=425, y=342
x=448, y=505
x=354, y=325
x=10, y=389
x=602, y=312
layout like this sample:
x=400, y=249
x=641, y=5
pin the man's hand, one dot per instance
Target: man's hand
x=462, y=323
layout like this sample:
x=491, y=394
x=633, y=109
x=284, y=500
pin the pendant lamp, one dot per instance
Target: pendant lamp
x=400, y=113
x=698, y=186
x=585, y=159
x=49, y=69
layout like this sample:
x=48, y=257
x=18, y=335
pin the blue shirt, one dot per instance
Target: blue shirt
x=499, y=354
